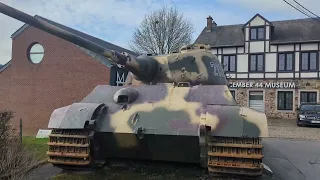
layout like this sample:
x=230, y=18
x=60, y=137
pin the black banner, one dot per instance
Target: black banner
x=117, y=76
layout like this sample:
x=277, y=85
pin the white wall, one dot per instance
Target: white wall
x=242, y=63
x=271, y=53
x=257, y=21
x=306, y=47
x=282, y=48
x=270, y=60
x=231, y=50
x=257, y=47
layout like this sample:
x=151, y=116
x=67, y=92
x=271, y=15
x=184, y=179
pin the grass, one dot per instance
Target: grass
x=38, y=145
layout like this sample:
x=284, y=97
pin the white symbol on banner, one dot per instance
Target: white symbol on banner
x=120, y=79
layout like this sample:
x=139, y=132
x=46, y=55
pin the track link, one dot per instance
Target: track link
x=228, y=156
x=71, y=149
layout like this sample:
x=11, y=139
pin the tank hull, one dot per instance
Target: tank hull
x=160, y=123
x=169, y=148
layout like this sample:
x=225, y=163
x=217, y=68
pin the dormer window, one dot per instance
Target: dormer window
x=257, y=33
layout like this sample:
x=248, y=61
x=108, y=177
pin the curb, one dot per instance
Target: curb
x=38, y=164
x=35, y=165
x=267, y=170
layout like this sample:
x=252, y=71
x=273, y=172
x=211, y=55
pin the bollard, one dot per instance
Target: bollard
x=20, y=129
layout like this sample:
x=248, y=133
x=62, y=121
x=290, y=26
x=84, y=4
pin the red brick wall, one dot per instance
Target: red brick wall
x=65, y=75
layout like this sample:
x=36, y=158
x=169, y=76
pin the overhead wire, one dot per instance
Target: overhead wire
x=301, y=10
x=306, y=9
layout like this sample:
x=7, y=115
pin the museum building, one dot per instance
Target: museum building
x=272, y=66
x=47, y=72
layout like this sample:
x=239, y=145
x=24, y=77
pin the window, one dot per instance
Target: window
x=307, y=97
x=229, y=63
x=285, y=100
x=257, y=33
x=233, y=93
x=285, y=62
x=256, y=63
x=309, y=61
x=36, y=53
x=256, y=100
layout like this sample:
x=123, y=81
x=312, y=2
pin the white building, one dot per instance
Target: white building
x=272, y=66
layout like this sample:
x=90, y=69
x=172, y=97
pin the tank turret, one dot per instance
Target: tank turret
x=193, y=64
x=166, y=121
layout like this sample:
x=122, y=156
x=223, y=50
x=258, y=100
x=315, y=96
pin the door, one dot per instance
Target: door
x=256, y=100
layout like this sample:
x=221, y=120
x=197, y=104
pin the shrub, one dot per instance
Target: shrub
x=15, y=159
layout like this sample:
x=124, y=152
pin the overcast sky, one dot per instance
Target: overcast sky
x=114, y=20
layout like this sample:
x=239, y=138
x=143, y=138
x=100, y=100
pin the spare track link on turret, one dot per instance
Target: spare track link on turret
x=236, y=156
x=71, y=149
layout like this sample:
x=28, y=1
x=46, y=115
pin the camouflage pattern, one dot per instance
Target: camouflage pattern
x=164, y=109
x=174, y=107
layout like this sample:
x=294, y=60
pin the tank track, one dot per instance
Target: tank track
x=235, y=156
x=72, y=149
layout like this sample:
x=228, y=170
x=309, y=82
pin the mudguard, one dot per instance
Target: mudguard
x=235, y=121
x=73, y=116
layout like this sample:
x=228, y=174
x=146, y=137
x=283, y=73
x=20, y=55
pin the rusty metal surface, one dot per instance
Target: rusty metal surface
x=235, y=156
x=69, y=147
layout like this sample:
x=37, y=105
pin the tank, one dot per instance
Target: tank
x=175, y=107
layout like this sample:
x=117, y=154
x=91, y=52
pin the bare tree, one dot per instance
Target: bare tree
x=16, y=159
x=162, y=32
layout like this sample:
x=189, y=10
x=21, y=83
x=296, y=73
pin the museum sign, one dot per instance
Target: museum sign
x=280, y=85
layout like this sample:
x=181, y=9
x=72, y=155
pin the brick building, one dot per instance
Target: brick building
x=273, y=66
x=47, y=72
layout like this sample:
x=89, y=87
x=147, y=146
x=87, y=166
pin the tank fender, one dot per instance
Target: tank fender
x=76, y=116
x=258, y=119
x=235, y=121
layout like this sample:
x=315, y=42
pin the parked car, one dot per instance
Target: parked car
x=308, y=114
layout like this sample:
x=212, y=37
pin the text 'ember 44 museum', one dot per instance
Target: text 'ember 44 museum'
x=174, y=107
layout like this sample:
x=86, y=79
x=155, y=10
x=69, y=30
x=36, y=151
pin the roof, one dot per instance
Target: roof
x=3, y=67
x=286, y=31
x=98, y=41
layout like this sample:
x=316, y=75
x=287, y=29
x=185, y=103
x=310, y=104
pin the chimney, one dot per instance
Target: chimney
x=210, y=23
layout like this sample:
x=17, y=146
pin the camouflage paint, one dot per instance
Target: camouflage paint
x=161, y=120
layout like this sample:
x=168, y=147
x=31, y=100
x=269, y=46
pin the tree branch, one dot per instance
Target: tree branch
x=162, y=32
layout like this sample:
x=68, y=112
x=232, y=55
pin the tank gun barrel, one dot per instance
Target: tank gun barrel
x=114, y=56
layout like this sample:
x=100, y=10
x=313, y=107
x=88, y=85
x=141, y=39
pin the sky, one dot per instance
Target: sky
x=115, y=20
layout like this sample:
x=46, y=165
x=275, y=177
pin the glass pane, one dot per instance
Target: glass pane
x=232, y=93
x=253, y=34
x=36, y=58
x=289, y=62
x=312, y=97
x=281, y=62
x=37, y=48
x=289, y=101
x=253, y=63
x=303, y=97
x=232, y=63
x=260, y=62
x=280, y=100
x=304, y=60
x=313, y=61
x=260, y=33
x=225, y=63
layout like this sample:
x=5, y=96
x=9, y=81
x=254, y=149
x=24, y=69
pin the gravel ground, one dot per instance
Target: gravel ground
x=281, y=128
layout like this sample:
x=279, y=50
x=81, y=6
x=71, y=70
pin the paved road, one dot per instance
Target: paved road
x=293, y=159
x=288, y=159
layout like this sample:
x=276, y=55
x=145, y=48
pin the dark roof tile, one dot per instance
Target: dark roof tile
x=297, y=30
